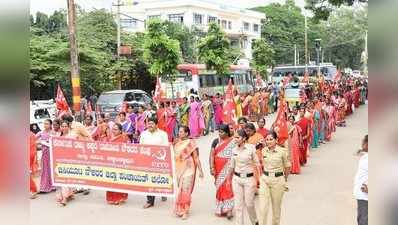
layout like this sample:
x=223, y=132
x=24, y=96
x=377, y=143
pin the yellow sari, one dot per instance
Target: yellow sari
x=185, y=173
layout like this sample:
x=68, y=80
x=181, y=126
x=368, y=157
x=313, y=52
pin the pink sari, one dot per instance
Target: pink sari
x=186, y=173
x=218, y=113
x=194, y=114
x=140, y=122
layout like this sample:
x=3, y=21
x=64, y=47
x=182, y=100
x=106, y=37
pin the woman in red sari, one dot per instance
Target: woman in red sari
x=294, y=145
x=162, y=117
x=186, y=155
x=341, y=107
x=171, y=121
x=220, y=163
x=116, y=198
x=102, y=132
x=33, y=164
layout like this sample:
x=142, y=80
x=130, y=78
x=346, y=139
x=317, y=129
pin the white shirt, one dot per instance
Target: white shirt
x=159, y=137
x=361, y=178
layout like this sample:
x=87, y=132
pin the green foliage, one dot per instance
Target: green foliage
x=322, y=9
x=187, y=39
x=344, y=41
x=214, y=50
x=282, y=28
x=262, y=56
x=161, y=53
x=341, y=34
x=50, y=56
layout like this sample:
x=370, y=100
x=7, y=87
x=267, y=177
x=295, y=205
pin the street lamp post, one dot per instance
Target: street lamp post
x=318, y=51
x=118, y=4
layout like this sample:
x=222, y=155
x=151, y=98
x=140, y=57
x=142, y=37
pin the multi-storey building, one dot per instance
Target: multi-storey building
x=242, y=26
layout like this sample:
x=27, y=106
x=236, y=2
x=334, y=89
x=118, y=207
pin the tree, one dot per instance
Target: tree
x=262, y=56
x=282, y=29
x=214, y=50
x=186, y=37
x=161, y=53
x=345, y=39
x=322, y=9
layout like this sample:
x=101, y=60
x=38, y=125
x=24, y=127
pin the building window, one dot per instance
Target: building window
x=198, y=19
x=256, y=28
x=153, y=17
x=230, y=25
x=244, y=43
x=128, y=23
x=218, y=21
x=176, y=18
x=211, y=19
x=224, y=24
x=246, y=26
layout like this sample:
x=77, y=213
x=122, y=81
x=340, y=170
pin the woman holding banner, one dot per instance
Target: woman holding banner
x=116, y=198
x=65, y=194
x=187, y=162
x=220, y=163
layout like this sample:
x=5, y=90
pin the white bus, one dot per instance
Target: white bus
x=327, y=69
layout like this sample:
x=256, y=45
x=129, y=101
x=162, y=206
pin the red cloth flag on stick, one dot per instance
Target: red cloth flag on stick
x=61, y=103
x=229, y=108
x=280, y=124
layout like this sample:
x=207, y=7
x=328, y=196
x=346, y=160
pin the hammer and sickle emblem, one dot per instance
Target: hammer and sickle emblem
x=160, y=155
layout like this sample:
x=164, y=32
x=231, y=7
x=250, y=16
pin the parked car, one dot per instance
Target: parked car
x=112, y=101
x=38, y=114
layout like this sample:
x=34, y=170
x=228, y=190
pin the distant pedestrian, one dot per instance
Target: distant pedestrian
x=361, y=184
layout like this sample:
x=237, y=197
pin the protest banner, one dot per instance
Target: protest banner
x=120, y=167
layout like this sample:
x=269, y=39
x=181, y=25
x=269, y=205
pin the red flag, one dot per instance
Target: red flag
x=157, y=96
x=229, y=106
x=337, y=77
x=281, y=123
x=60, y=101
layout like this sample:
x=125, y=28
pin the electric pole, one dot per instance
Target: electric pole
x=118, y=41
x=74, y=58
x=295, y=55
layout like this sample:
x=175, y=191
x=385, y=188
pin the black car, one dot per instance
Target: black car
x=112, y=101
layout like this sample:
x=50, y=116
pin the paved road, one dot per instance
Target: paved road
x=321, y=195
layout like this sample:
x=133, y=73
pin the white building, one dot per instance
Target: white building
x=241, y=25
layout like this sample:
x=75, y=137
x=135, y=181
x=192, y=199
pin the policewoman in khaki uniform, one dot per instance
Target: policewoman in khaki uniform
x=244, y=183
x=276, y=168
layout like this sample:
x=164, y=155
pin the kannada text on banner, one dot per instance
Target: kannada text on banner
x=142, y=169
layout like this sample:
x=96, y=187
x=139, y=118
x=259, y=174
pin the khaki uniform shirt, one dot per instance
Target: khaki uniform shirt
x=243, y=159
x=276, y=160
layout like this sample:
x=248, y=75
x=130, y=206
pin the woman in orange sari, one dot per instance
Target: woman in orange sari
x=102, y=132
x=186, y=155
x=116, y=198
x=33, y=164
x=220, y=163
x=294, y=145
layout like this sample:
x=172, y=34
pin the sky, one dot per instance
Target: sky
x=49, y=6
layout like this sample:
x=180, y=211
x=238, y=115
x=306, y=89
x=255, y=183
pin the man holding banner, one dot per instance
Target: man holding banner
x=153, y=136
